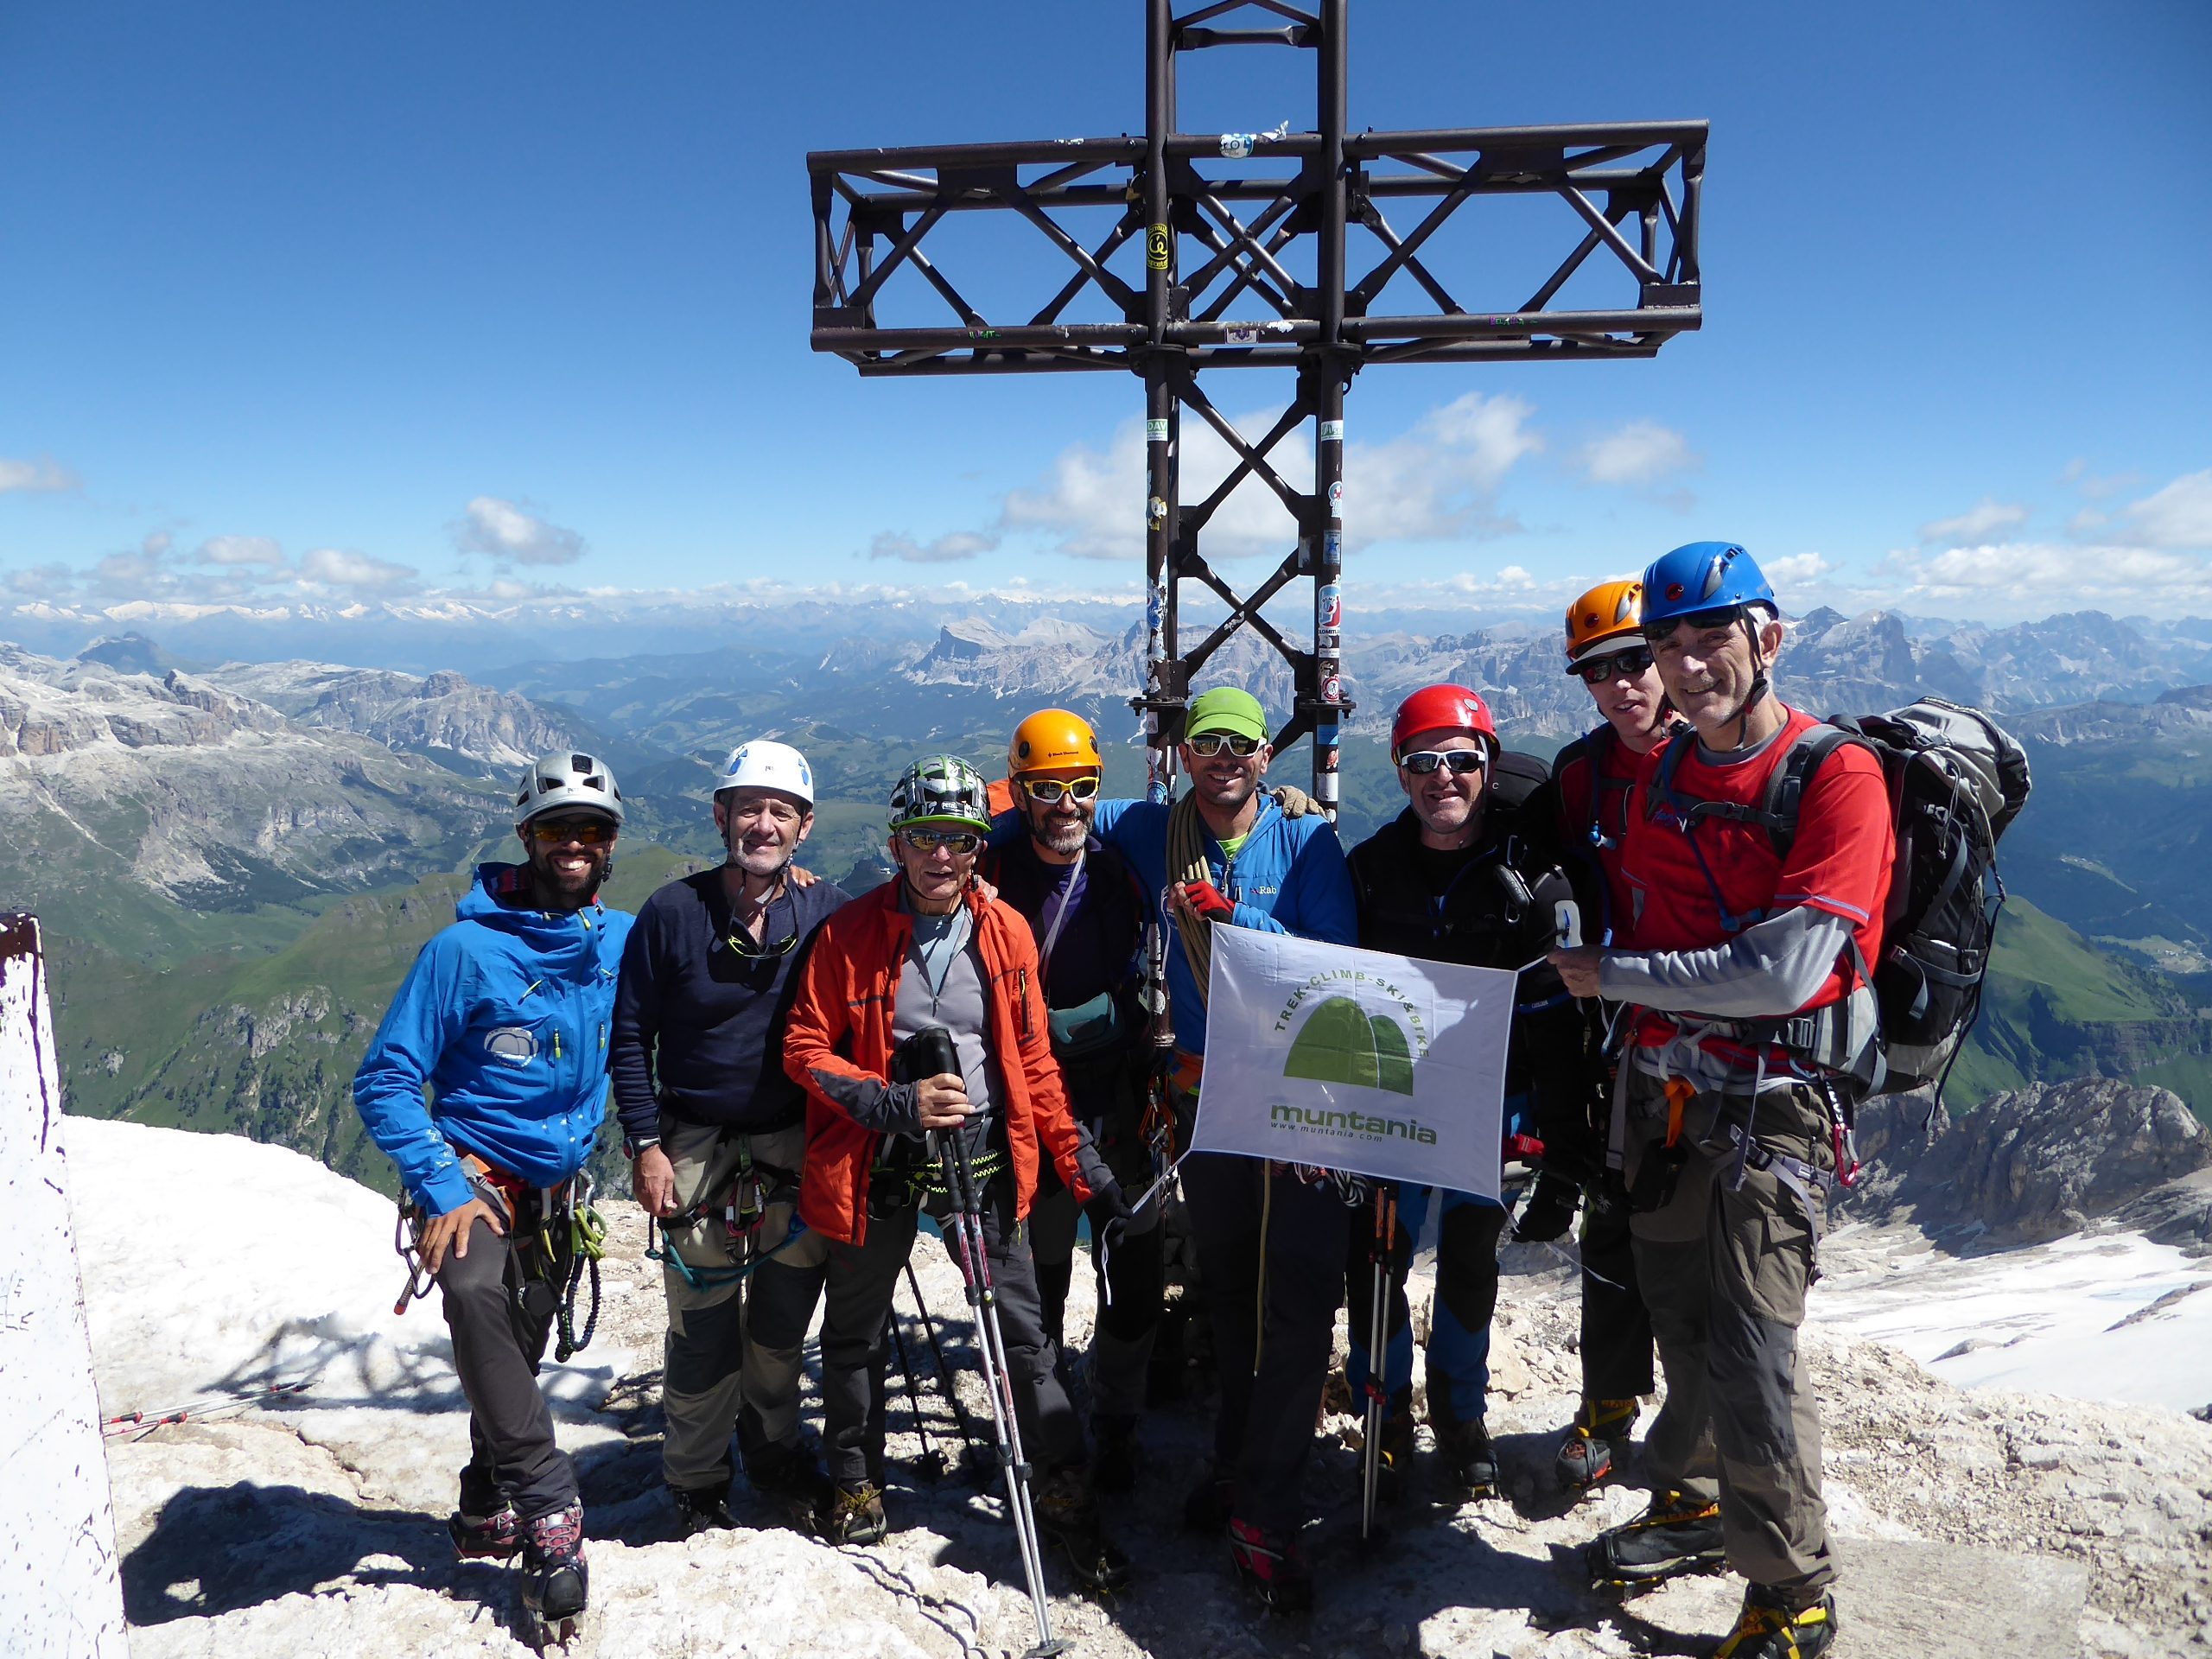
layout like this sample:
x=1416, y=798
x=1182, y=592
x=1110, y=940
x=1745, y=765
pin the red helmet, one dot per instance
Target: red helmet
x=1441, y=708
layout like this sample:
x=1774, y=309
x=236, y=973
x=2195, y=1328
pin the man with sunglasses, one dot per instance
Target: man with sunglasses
x=503, y=1018
x=1592, y=779
x=717, y=1134
x=1087, y=915
x=1454, y=878
x=1227, y=855
x=1753, y=1035
x=921, y=961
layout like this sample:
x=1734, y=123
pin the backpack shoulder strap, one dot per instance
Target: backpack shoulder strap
x=1785, y=789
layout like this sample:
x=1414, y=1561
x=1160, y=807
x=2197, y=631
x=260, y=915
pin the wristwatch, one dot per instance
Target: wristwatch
x=632, y=1148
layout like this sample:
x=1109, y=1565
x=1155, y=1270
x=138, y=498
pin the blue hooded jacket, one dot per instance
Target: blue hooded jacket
x=1288, y=877
x=505, y=1015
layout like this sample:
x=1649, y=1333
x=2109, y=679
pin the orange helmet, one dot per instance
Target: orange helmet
x=1050, y=739
x=1609, y=614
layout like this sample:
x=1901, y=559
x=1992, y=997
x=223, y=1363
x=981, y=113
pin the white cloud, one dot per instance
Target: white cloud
x=514, y=536
x=232, y=550
x=1977, y=524
x=52, y=580
x=1799, y=568
x=2018, y=569
x=1640, y=453
x=957, y=544
x=335, y=566
x=2179, y=515
x=32, y=477
x=1435, y=482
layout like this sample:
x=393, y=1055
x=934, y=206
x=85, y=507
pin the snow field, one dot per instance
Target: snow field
x=317, y=1526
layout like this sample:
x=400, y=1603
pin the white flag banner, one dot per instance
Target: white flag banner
x=1354, y=1059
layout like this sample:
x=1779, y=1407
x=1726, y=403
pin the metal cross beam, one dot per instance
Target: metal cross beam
x=1186, y=266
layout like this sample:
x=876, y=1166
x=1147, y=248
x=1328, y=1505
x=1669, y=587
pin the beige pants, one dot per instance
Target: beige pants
x=1724, y=1271
x=733, y=1350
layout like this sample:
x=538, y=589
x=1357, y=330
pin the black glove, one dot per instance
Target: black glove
x=1108, y=1211
x=1549, y=1212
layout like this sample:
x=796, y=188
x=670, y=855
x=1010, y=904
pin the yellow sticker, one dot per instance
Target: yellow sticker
x=1158, y=248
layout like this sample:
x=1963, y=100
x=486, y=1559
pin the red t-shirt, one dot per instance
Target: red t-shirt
x=1838, y=862
x=1609, y=767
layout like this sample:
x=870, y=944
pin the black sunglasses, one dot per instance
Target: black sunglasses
x=1723, y=616
x=1614, y=666
x=741, y=943
x=552, y=832
x=960, y=842
x=1457, y=762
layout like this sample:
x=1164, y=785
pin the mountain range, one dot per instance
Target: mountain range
x=235, y=859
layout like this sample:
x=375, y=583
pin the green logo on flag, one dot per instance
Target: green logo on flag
x=1343, y=1043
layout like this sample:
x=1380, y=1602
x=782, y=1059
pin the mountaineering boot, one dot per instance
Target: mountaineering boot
x=1273, y=1566
x=1207, y=1506
x=1764, y=1631
x=791, y=1472
x=705, y=1508
x=1470, y=1457
x=555, y=1582
x=1676, y=1535
x=483, y=1525
x=485, y=1538
x=1067, y=1515
x=854, y=1514
x=1115, y=1464
x=1593, y=1444
x=1393, y=1475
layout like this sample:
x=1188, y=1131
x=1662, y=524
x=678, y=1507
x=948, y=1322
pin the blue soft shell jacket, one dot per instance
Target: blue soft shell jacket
x=1288, y=877
x=505, y=1015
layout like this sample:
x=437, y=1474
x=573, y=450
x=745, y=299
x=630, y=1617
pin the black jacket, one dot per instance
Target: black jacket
x=1495, y=911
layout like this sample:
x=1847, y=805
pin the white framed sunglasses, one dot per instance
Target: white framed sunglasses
x=1457, y=762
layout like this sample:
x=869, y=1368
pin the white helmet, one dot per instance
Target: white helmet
x=565, y=778
x=762, y=764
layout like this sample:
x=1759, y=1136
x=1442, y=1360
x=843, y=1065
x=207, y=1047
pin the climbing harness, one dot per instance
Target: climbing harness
x=557, y=1233
x=744, y=1198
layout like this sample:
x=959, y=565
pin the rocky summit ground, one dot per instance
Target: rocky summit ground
x=1979, y=1523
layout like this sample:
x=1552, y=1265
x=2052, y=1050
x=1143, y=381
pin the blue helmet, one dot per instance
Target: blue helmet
x=1701, y=576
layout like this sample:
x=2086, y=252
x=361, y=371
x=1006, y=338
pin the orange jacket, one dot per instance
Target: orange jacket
x=838, y=1049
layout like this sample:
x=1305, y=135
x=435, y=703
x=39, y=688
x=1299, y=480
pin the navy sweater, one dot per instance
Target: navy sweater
x=698, y=1027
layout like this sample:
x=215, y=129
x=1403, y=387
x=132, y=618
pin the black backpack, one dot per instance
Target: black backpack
x=1956, y=781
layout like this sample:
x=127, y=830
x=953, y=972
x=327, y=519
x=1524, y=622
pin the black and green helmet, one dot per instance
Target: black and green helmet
x=941, y=789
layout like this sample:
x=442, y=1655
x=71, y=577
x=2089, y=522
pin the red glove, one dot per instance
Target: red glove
x=1206, y=899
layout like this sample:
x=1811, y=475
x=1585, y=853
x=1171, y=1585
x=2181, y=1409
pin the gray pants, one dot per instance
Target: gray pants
x=856, y=1340
x=1725, y=1273
x=500, y=1315
x=732, y=1359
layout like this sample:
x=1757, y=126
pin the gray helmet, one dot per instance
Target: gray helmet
x=941, y=789
x=564, y=779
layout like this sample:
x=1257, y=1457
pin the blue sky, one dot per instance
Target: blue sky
x=374, y=302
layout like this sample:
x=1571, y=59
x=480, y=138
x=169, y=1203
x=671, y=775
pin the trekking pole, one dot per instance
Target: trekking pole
x=943, y=1371
x=1382, y=1242
x=967, y=1217
x=931, y=1464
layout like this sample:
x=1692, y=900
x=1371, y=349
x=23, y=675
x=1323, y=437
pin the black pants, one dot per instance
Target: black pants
x=500, y=1315
x=1615, y=1324
x=1271, y=1370
x=856, y=1340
